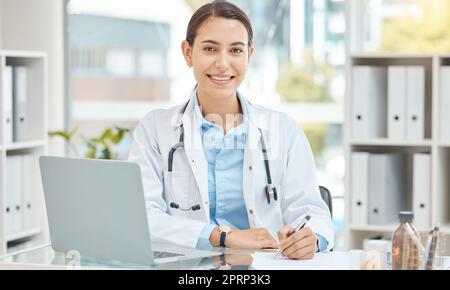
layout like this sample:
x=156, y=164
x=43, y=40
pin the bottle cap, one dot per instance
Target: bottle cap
x=406, y=216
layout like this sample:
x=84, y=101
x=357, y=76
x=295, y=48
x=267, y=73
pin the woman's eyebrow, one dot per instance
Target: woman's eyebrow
x=217, y=43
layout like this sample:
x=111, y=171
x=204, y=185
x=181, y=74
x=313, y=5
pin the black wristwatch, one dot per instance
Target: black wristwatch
x=224, y=231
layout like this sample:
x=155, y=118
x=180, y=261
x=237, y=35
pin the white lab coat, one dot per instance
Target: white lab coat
x=291, y=163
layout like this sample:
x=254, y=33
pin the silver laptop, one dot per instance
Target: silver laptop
x=97, y=208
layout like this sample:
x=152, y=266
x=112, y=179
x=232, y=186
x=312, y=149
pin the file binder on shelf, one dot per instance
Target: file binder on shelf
x=8, y=103
x=359, y=188
x=20, y=104
x=397, y=102
x=422, y=190
x=369, y=94
x=28, y=192
x=444, y=112
x=9, y=197
x=415, y=125
x=387, y=187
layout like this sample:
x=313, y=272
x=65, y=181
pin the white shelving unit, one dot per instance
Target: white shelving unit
x=432, y=143
x=34, y=145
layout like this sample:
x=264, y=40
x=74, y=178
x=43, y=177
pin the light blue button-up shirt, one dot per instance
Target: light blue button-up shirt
x=225, y=156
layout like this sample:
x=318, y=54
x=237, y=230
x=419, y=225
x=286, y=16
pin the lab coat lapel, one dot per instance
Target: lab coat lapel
x=193, y=146
x=251, y=157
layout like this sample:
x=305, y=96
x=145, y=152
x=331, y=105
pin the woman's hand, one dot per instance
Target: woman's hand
x=250, y=239
x=245, y=239
x=300, y=245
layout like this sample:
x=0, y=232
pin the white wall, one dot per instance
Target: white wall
x=38, y=25
x=1, y=21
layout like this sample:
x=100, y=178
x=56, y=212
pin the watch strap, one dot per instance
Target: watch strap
x=223, y=235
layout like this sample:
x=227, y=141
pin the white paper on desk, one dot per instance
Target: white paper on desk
x=321, y=261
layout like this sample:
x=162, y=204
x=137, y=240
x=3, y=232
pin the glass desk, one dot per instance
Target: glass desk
x=44, y=257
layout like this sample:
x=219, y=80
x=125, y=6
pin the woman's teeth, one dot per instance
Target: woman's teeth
x=221, y=80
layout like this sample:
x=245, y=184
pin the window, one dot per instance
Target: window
x=121, y=62
x=401, y=26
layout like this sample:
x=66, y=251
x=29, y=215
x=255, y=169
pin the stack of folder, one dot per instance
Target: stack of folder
x=15, y=103
x=406, y=103
x=19, y=199
x=379, y=184
x=388, y=102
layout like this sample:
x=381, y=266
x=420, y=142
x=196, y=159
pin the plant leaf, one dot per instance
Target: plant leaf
x=64, y=134
x=120, y=133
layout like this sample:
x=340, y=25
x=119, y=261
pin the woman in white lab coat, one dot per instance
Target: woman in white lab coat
x=271, y=183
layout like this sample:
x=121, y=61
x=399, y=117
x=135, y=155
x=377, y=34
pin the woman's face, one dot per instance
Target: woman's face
x=219, y=56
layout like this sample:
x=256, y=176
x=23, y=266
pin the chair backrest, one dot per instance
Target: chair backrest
x=326, y=196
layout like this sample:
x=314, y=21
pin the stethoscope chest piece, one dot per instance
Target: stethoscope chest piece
x=271, y=192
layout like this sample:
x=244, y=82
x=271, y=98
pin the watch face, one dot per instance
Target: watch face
x=225, y=228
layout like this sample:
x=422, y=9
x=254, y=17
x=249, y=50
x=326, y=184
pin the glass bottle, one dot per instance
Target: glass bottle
x=405, y=251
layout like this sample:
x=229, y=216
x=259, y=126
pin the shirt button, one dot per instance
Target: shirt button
x=250, y=168
x=250, y=211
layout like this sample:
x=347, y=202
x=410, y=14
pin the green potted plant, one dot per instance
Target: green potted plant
x=100, y=147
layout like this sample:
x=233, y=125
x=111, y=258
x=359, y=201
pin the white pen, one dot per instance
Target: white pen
x=300, y=224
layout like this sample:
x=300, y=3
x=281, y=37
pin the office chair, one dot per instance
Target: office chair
x=326, y=196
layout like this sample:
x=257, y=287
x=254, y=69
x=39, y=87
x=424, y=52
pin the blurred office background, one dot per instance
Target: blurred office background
x=120, y=59
x=125, y=60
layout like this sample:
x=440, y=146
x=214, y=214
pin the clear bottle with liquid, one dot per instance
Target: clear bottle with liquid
x=405, y=252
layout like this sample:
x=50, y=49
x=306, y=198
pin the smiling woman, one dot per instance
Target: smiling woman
x=218, y=46
x=209, y=174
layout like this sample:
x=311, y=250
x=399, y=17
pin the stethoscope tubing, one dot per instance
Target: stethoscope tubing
x=270, y=189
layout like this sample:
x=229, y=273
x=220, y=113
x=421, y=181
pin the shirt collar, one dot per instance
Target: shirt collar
x=204, y=124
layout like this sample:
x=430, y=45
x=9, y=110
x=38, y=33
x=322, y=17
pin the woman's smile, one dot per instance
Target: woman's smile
x=221, y=80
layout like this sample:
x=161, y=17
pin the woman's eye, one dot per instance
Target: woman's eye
x=237, y=50
x=209, y=49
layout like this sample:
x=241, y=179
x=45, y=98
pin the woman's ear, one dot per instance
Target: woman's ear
x=251, y=49
x=186, y=49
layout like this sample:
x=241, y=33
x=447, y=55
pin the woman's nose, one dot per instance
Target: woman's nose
x=222, y=61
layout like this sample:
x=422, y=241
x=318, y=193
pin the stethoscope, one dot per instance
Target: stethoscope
x=270, y=190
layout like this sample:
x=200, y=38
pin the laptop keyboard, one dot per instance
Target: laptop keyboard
x=159, y=255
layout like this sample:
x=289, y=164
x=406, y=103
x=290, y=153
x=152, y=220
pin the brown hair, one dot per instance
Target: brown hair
x=218, y=8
